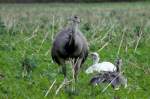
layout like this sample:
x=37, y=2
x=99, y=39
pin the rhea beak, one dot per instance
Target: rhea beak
x=91, y=53
x=74, y=19
x=78, y=20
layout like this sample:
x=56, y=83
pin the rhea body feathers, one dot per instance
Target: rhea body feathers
x=70, y=43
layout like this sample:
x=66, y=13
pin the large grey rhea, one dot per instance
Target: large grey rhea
x=70, y=43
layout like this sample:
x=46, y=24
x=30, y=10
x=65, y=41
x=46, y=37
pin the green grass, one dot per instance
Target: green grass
x=27, y=30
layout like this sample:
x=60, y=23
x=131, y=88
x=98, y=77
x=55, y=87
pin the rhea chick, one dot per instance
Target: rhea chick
x=100, y=67
x=116, y=78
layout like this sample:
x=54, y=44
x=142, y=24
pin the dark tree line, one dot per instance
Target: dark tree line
x=45, y=1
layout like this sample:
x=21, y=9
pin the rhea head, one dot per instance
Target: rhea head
x=75, y=19
x=95, y=57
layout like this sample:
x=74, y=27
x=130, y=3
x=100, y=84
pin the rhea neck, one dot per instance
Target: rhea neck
x=118, y=65
x=96, y=60
x=74, y=26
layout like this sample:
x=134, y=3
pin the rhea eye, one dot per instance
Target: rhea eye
x=75, y=17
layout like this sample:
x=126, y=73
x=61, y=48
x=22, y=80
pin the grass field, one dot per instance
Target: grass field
x=27, y=32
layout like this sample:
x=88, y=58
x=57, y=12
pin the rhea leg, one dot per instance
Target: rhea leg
x=76, y=68
x=65, y=82
x=63, y=68
x=76, y=65
x=64, y=71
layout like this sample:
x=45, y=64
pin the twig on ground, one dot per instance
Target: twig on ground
x=61, y=85
x=107, y=33
x=30, y=38
x=138, y=41
x=46, y=35
x=120, y=43
x=46, y=53
x=33, y=34
x=50, y=88
x=103, y=46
